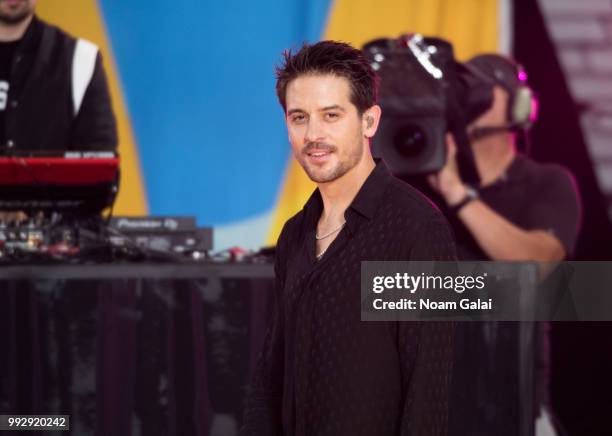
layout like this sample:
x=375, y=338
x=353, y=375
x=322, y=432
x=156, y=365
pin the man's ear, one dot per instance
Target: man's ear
x=370, y=120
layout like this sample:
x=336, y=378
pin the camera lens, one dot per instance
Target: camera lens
x=409, y=140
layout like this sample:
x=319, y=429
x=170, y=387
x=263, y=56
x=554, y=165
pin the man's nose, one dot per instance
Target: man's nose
x=315, y=131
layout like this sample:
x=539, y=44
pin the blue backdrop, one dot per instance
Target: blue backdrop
x=198, y=77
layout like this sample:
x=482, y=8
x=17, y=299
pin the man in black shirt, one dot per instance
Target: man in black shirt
x=53, y=89
x=6, y=55
x=322, y=370
x=522, y=211
x=14, y=20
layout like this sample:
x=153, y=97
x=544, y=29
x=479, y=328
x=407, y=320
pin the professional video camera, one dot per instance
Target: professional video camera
x=424, y=93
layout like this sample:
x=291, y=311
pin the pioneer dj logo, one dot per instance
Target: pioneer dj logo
x=4, y=87
x=147, y=224
x=139, y=224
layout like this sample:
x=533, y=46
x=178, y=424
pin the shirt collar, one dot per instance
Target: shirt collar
x=370, y=194
x=364, y=204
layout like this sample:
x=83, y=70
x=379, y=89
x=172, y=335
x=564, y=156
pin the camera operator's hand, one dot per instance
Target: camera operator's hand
x=447, y=182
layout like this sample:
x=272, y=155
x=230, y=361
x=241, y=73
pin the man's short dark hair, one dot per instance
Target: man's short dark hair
x=330, y=57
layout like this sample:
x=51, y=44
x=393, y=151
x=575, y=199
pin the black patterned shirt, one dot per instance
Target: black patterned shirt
x=322, y=370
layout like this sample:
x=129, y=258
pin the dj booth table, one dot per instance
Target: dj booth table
x=132, y=349
x=167, y=349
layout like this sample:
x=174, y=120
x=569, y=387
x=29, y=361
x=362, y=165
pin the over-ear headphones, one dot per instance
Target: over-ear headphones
x=510, y=75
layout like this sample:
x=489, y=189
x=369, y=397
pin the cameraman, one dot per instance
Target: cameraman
x=521, y=211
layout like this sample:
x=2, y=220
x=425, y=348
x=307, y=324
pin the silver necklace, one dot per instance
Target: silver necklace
x=327, y=235
x=320, y=255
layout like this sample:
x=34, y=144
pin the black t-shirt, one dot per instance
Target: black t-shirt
x=532, y=196
x=7, y=51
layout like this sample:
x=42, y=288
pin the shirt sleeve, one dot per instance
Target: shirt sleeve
x=555, y=207
x=263, y=405
x=95, y=127
x=426, y=348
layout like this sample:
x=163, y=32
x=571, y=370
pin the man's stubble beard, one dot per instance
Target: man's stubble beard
x=339, y=170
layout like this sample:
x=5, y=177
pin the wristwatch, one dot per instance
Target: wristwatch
x=470, y=195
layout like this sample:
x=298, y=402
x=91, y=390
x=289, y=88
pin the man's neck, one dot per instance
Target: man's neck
x=339, y=194
x=493, y=156
x=14, y=32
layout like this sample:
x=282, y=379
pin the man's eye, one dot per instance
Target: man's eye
x=298, y=119
x=332, y=116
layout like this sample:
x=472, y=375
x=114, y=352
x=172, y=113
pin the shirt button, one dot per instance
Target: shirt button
x=14, y=104
x=10, y=143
